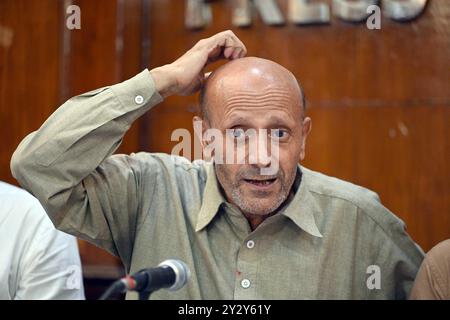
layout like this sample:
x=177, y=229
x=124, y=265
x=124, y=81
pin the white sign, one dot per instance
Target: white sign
x=303, y=12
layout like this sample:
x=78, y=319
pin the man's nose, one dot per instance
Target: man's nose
x=262, y=158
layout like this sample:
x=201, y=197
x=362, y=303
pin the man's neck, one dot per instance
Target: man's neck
x=255, y=220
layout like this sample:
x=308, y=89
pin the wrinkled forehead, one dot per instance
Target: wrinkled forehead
x=255, y=90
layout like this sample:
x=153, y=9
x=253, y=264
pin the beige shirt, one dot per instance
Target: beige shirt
x=333, y=240
x=433, y=279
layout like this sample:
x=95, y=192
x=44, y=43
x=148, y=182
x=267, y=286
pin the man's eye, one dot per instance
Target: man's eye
x=238, y=133
x=279, y=133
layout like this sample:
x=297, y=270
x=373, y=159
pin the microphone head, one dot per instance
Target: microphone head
x=181, y=270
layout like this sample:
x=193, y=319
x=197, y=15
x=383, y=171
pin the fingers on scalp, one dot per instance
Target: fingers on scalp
x=237, y=44
x=237, y=53
x=232, y=47
x=228, y=51
x=244, y=51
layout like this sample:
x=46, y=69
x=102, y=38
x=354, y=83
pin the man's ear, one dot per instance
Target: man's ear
x=306, y=129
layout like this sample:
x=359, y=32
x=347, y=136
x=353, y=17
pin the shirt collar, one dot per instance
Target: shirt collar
x=303, y=205
x=300, y=209
x=212, y=199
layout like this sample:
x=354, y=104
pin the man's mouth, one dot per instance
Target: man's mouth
x=261, y=183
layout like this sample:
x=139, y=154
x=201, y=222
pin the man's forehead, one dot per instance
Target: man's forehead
x=253, y=83
x=274, y=92
x=252, y=73
x=267, y=107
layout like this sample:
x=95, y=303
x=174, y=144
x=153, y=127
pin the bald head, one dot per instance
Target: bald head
x=253, y=76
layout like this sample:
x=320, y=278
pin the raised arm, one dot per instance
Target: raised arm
x=67, y=163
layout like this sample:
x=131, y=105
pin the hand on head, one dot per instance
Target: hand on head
x=186, y=75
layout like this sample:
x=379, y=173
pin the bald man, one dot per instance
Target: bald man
x=256, y=226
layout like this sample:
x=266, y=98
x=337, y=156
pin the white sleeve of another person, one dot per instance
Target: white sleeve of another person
x=43, y=263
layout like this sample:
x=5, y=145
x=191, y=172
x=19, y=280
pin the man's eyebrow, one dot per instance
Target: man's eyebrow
x=272, y=120
x=276, y=120
x=235, y=120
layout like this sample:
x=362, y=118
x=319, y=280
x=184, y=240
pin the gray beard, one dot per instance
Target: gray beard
x=253, y=207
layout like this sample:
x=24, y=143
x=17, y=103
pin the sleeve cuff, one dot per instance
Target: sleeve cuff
x=138, y=91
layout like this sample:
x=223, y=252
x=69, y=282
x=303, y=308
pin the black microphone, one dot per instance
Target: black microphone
x=171, y=274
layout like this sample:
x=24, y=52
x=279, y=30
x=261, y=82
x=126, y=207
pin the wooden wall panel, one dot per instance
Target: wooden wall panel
x=29, y=74
x=379, y=100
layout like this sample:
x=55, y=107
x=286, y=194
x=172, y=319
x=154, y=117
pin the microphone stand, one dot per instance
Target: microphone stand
x=171, y=274
x=145, y=295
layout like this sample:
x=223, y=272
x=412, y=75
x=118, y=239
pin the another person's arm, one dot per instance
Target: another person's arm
x=37, y=261
x=50, y=268
x=433, y=279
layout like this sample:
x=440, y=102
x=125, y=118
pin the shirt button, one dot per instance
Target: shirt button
x=250, y=244
x=139, y=99
x=245, y=283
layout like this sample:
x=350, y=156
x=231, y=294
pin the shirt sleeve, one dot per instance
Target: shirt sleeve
x=67, y=164
x=433, y=279
x=395, y=253
x=50, y=267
